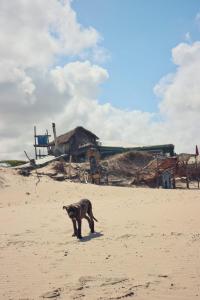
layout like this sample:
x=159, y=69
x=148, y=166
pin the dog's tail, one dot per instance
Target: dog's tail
x=94, y=218
x=90, y=210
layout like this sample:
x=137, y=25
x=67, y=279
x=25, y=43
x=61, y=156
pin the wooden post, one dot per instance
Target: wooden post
x=35, y=139
x=32, y=161
x=27, y=155
x=174, y=182
x=197, y=175
x=70, y=160
x=54, y=133
x=47, y=141
x=187, y=177
x=157, y=178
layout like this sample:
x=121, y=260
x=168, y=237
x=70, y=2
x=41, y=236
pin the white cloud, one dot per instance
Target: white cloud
x=33, y=32
x=180, y=97
x=34, y=90
x=82, y=78
x=33, y=35
x=188, y=37
x=97, y=55
x=197, y=19
x=182, y=94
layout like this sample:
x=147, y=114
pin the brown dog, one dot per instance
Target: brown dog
x=78, y=211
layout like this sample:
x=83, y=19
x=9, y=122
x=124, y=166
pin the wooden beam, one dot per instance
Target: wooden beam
x=35, y=142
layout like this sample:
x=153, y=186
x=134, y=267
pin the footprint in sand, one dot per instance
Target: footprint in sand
x=52, y=294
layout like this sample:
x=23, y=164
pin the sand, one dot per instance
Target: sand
x=146, y=245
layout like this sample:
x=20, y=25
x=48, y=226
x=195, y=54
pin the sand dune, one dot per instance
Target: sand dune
x=146, y=244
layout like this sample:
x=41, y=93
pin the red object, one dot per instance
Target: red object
x=197, y=150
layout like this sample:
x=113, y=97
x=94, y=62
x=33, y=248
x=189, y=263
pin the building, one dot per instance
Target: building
x=75, y=143
x=163, y=150
x=78, y=141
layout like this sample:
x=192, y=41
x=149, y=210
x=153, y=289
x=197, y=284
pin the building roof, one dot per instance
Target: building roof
x=65, y=138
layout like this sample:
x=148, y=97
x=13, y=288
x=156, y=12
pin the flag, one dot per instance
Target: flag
x=197, y=150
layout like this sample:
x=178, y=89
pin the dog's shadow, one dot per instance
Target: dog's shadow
x=91, y=236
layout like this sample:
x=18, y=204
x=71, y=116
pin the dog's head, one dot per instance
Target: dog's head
x=71, y=210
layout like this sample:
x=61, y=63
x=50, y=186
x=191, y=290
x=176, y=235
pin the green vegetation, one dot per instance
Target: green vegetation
x=13, y=163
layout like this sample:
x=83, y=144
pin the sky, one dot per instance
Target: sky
x=127, y=70
x=139, y=34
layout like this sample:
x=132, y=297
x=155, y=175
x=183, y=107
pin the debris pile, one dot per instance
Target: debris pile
x=126, y=164
x=123, y=168
x=120, y=169
x=61, y=170
x=132, y=168
x=188, y=166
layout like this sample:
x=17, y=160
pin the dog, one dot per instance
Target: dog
x=78, y=211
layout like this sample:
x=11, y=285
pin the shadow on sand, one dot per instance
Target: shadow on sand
x=91, y=236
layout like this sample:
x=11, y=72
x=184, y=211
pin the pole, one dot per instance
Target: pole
x=35, y=142
x=32, y=161
x=27, y=155
x=70, y=160
x=187, y=177
x=157, y=178
x=54, y=133
x=197, y=175
x=47, y=133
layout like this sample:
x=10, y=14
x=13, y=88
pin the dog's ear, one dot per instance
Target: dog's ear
x=66, y=207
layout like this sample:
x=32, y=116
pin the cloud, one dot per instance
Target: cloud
x=35, y=89
x=188, y=37
x=180, y=96
x=97, y=54
x=82, y=78
x=34, y=32
x=197, y=19
x=34, y=36
x=179, y=105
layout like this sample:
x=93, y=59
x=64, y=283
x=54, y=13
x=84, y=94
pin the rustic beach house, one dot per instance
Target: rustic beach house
x=74, y=142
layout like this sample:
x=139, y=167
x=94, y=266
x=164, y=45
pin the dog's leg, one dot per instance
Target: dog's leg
x=75, y=228
x=79, y=236
x=91, y=224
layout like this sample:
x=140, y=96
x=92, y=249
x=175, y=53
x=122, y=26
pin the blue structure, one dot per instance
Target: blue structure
x=42, y=140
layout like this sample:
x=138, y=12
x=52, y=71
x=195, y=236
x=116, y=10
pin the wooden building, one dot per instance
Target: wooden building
x=74, y=143
x=77, y=142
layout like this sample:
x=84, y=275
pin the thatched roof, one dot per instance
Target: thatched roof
x=65, y=138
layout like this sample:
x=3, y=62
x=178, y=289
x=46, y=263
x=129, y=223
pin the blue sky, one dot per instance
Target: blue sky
x=139, y=34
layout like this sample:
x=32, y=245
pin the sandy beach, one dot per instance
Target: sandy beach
x=146, y=245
